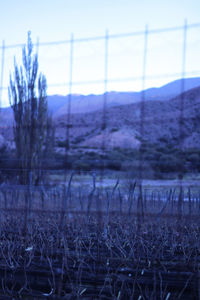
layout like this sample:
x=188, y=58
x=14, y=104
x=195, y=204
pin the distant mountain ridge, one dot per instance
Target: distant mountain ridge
x=162, y=112
x=58, y=105
x=161, y=122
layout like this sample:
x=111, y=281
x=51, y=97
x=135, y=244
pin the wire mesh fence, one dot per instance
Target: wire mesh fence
x=104, y=215
x=120, y=62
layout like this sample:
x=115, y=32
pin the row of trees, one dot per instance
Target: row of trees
x=33, y=129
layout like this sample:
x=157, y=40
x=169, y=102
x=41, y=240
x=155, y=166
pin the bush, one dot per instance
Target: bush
x=61, y=144
x=114, y=165
x=78, y=140
x=114, y=129
x=168, y=164
x=82, y=166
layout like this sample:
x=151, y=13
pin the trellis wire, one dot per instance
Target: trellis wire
x=107, y=37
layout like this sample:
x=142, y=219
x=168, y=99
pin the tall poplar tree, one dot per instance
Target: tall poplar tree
x=33, y=130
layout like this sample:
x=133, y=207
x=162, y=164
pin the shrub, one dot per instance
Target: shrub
x=81, y=165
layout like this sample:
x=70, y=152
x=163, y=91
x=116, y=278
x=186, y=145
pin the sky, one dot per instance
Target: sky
x=57, y=20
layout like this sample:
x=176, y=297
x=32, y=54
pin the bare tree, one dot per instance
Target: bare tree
x=33, y=126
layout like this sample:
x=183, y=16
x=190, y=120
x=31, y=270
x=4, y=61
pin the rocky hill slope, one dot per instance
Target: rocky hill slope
x=161, y=121
x=123, y=119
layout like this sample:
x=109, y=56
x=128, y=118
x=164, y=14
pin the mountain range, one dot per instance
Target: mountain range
x=80, y=104
x=122, y=117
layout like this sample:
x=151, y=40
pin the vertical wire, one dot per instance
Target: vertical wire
x=70, y=94
x=41, y=171
x=103, y=125
x=105, y=99
x=64, y=201
x=182, y=97
x=181, y=128
x=37, y=45
x=68, y=124
x=103, y=130
x=105, y=82
x=140, y=209
x=142, y=103
x=2, y=71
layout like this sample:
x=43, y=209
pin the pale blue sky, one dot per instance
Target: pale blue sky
x=55, y=20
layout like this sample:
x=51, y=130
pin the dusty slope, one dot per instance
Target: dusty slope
x=161, y=120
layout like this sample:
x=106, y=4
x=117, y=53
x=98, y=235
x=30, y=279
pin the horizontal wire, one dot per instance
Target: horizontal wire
x=120, y=35
x=62, y=160
x=95, y=168
x=128, y=79
x=161, y=120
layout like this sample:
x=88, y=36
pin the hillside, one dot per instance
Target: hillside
x=161, y=121
x=58, y=105
x=161, y=118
